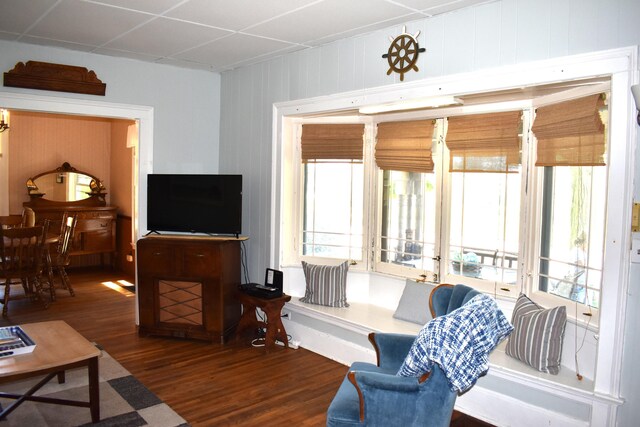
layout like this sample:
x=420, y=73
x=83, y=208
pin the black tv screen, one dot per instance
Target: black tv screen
x=210, y=204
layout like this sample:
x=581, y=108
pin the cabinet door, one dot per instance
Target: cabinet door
x=157, y=259
x=200, y=260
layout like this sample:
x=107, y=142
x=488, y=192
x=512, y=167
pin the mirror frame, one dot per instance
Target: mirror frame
x=96, y=197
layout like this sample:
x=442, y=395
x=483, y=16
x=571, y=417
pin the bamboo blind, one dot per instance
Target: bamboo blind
x=332, y=141
x=484, y=142
x=405, y=146
x=571, y=133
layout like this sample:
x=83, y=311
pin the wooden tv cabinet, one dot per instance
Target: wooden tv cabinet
x=187, y=286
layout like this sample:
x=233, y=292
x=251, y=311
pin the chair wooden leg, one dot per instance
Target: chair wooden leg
x=65, y=281
x=5, y=300
x=40, y=292
x=52, y=288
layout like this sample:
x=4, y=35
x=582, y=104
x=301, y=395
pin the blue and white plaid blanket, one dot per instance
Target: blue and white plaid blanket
x=459, y=342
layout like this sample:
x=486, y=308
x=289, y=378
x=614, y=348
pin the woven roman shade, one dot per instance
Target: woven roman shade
x=405, y=146
x=332, y=141
x=484, y=142
x=571, y=133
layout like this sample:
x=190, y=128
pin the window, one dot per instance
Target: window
x=571, y=158
x=404, y=154
x=333, y=215
x=484, y=191
x=572, y=232
x=451, y=199
x=333, y=188
x=484, y=226
x=408, y=234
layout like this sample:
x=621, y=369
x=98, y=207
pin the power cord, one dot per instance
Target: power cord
x=243, y=262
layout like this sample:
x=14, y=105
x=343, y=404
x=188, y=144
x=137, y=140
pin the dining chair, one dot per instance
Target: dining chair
x=21, y=262
x=10, y=221
x=28, y=217
x=60, y=258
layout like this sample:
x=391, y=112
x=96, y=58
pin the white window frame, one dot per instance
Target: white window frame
x=293, y=255
x=620, y=64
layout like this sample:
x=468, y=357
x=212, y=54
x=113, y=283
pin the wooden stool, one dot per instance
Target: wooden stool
x=272, y=308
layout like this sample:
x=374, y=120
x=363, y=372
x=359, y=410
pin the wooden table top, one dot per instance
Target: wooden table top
x=57, y=344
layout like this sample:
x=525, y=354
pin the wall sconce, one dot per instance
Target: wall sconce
x=4, y=124
x=635, y=90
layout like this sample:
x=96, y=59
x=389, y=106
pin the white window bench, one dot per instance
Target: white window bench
x=512, y=393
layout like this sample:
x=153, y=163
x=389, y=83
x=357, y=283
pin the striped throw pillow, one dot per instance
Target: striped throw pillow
x=537, y=335
x=326, y=284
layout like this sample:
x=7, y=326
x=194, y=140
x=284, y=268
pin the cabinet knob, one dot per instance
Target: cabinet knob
x=200, y=255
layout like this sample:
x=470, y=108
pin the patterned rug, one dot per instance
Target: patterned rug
x=124, y=401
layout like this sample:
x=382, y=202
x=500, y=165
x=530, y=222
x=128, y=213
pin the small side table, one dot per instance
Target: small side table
x=272, y=308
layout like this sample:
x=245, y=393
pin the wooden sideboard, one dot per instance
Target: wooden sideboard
x=95, y=231
x=186, y=286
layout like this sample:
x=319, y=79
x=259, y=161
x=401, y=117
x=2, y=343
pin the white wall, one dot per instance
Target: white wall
x=491, y=35
x=186, y=103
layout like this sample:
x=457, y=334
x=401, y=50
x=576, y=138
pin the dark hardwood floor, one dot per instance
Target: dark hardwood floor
x=207, y=384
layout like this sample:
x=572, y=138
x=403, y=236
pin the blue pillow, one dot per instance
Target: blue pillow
x=414, y=302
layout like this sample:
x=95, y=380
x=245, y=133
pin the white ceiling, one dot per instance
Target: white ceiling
x=214, y=35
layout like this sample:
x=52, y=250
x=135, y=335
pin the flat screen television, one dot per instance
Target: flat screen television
x=210, y=204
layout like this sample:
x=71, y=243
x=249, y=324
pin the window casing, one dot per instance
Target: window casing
x=421, y=225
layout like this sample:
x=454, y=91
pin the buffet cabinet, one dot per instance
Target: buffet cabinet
x=95, y=231
x=186, y=286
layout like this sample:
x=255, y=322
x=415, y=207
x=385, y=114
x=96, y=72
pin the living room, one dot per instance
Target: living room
x=195, y=121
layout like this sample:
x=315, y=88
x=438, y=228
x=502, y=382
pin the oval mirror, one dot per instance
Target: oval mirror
x=64, y=184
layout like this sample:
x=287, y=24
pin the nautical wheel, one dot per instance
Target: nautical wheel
x=403, y=53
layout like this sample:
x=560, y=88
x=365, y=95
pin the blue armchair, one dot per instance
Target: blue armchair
x=373, y=395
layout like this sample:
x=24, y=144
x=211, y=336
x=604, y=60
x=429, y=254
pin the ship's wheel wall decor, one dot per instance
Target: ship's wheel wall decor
x=403, y=53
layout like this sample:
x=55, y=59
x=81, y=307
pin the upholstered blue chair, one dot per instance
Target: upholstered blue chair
x=373, y=395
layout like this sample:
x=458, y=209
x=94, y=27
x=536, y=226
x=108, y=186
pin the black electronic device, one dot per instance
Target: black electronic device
x=210, y=204
x=272, y=287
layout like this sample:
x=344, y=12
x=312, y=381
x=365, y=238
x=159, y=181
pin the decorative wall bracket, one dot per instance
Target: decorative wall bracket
x=56, y=77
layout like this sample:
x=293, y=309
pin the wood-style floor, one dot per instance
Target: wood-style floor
x=207, y=384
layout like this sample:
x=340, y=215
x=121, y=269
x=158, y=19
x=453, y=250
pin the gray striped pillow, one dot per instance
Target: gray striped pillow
x=326, y=284
x=537, y=335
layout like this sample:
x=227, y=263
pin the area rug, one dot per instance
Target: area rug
x=124, y=401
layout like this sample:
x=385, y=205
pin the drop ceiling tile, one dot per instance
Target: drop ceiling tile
x=450, y=7
x=86, y=23
x=18, y=15
x=8, y=36
x=234, y=15
x=150, y=6
x=266, y=57
x=369, y=28
x=56, y=43
x=338, y=16
x=126, y=54
x=232, y=49
x=185, y=64
x=151, y=38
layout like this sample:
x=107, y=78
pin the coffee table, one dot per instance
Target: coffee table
x=58, y=347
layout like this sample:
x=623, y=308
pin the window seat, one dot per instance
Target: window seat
x=556, y=398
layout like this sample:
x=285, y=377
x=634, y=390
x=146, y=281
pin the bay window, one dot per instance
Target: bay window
x=471, y=198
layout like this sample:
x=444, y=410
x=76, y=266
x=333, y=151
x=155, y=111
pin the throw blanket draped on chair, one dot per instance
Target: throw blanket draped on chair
x=459, y=342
